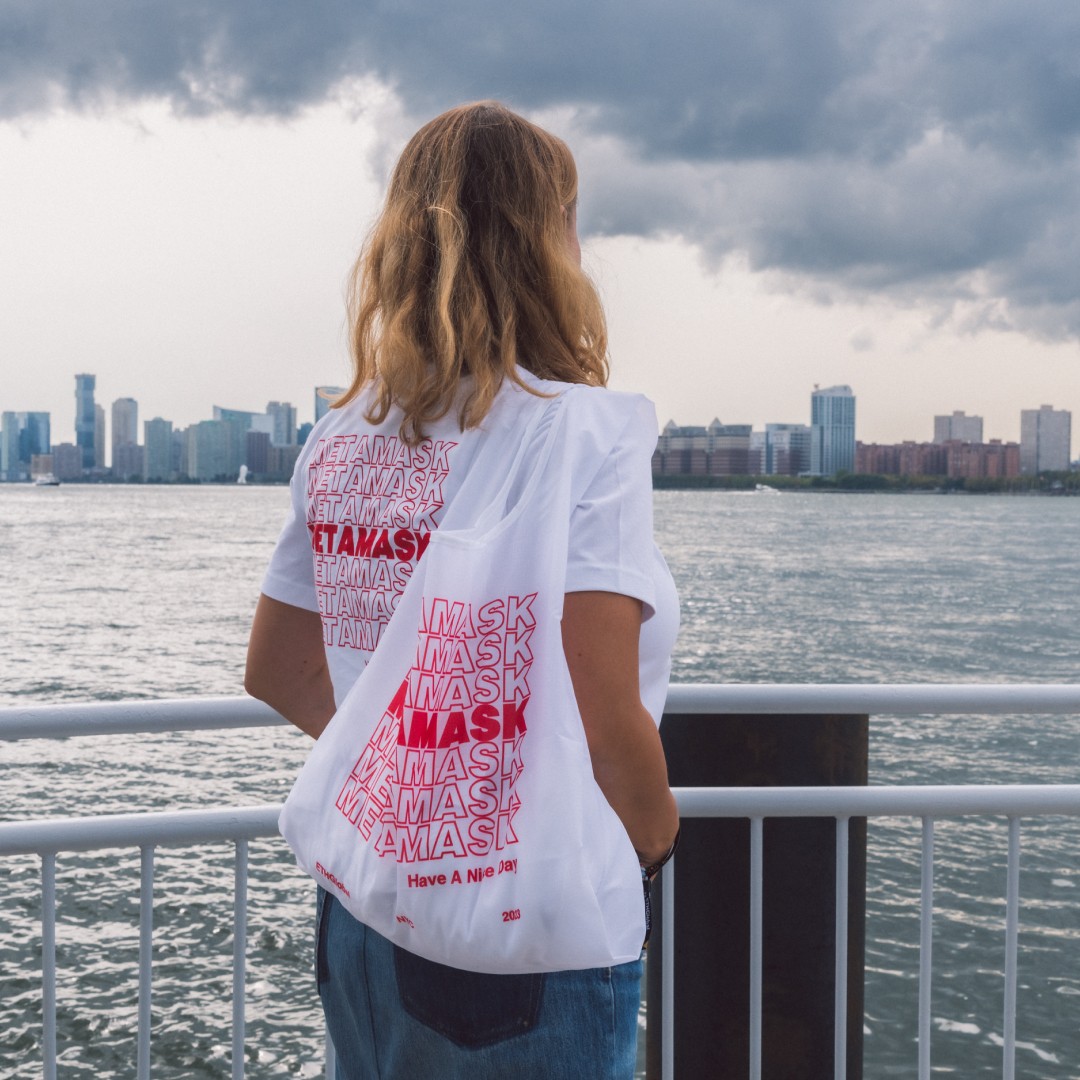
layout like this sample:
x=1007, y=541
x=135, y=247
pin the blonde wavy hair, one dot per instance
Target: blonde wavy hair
x=469, y=272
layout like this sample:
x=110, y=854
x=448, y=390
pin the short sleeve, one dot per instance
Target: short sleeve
x=611, y=527
x=290, y=577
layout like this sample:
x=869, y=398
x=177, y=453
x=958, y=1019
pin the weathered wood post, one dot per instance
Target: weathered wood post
x=712, y=902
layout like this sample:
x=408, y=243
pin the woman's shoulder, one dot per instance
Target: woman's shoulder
x=611, y=415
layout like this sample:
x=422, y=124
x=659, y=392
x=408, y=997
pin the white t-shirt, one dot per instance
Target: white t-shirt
x=364, y=504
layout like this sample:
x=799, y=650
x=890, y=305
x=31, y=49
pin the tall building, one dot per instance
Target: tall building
x=257, y=452
x=157, y=449
x=324, y=395
x=215, y=450
x=1045, y=440
x=246, y=421
x=67, y=461
x=125, y=424
x=9, y=447
x=786, y=449
x=85, y=418
x=832, y=431
x=127, y=461
x=283, y=419
x=959, y=428
x=23, y=436
x=99, y=437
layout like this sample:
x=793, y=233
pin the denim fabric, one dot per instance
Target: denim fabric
x=395, y=1016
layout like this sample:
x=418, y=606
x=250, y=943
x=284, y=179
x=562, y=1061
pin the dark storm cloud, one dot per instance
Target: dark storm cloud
x=926, y=147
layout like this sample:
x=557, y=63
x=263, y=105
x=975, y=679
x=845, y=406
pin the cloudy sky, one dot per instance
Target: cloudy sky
x=775, y=194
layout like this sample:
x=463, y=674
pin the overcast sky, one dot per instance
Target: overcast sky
x=774, y=194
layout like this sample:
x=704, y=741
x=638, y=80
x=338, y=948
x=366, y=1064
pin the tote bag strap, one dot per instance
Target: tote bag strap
x=528, y=467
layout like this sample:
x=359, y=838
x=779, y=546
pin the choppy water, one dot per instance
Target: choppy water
x=148, y=592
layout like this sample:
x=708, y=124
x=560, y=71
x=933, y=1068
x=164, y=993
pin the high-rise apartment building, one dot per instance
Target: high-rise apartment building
x=157, y=449
x=832, y=431
x=257, y=452
x=125, y=424
x=9, y=447
x=324, y=395
x=85, y=418
x=1045, y=440
x=67, y=461
x=34, y=434
x=23, y=436
x=786, y=449
x=283, y=419
x=99, y=437
x=127, y=461
x=215, y=450
x=959, y=428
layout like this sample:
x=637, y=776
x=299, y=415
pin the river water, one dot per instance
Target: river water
x=147, y=592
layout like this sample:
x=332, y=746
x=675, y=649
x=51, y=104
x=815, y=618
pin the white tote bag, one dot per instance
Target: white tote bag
x=450, y=803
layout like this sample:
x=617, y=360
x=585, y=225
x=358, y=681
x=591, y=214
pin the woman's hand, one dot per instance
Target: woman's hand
x=600, y=633
x=286, y=665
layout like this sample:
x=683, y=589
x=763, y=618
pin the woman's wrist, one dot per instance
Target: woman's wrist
x=650, y=866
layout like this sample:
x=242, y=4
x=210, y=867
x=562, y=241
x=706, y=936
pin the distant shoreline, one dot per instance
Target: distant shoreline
x=1047, y=484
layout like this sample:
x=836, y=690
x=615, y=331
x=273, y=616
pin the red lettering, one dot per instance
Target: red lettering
x=514, y=719
x=485, y=797
x=382, y=548
x=519, y=614
x=345, y=544
x=490, y=617
x=422, y=729
x=485, y=720
x=454, y=732
x=364, y=539
x=404, y=546
x=481, y=835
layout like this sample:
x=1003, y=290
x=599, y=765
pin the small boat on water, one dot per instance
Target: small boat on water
x=46, y=480
x=765, y=489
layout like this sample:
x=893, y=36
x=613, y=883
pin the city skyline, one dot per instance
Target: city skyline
x=266, y=443
x=1011, y=432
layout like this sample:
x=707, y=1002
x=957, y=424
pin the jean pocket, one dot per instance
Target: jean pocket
x=322, y=921
x=468, y=1008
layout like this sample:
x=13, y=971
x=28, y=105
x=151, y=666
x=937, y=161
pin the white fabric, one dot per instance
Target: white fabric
x=450, y=802
x=611, y=545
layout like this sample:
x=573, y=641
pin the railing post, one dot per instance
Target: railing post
x=146, y=958
x=239, y=957
x=712, y=940
x=926, y=945
x=1012, y=935
x=667, y=963
x=48, y=964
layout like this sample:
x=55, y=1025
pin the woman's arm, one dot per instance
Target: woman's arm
x=286, y=665
x=600, y=637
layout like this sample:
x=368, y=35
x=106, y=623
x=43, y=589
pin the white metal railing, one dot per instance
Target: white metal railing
x=48, y=837
x=882, y=699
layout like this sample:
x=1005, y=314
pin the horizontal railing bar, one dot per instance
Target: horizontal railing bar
x=132, y=717
x=138, y=830
x=202, y=714
x=1018, y=800
x=250, y=822
x=878, y=700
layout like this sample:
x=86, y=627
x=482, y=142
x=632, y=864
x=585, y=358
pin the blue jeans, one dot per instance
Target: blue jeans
x=396, y=1016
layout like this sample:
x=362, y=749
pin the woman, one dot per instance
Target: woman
x=468, y=300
